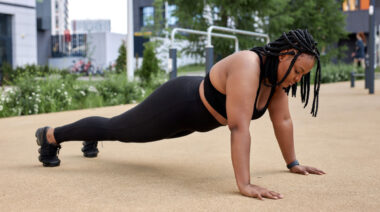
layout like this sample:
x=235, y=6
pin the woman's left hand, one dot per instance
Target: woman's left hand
x=305, y=170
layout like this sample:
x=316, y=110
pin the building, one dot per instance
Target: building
x=90, y=26
x=143, y=13
x=143, y=16
x=18, y=36
x=59, y=16
x=99, y=48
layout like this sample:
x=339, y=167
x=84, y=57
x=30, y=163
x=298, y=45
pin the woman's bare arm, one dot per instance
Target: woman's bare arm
x=241, y=87
x=282, y=124
x=283, y=129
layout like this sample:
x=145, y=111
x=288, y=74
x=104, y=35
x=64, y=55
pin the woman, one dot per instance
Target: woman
x=359, y=54
x=238, y=88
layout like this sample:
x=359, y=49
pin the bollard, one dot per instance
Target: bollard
x=173, y=61
x=352, y=79
x=209, y=58
x=366, y=72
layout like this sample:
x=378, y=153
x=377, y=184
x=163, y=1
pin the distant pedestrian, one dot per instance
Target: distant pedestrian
x=359, y=54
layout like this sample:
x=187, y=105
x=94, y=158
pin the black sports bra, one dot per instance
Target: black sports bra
x=218, y=100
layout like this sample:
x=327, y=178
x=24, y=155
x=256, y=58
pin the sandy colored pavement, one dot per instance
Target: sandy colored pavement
x=194, y=173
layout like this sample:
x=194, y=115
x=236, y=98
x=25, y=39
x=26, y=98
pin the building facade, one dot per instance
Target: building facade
x=59, y=16
x=90, y=26
x=18, y=34
x=143, y=16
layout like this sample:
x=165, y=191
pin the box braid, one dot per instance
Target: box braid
x=303, y=42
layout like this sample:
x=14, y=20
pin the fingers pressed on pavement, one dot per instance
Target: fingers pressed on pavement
x=276, y=194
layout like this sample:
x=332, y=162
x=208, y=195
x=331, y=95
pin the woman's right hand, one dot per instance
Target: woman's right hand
x=258, y=192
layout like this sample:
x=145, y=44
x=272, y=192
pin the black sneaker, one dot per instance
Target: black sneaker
x=48, y=152
x=90, y=149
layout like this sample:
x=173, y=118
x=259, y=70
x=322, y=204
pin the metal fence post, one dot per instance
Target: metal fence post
x=371, y=49
x=173, y=61
x=209, y=58
x=352, y=75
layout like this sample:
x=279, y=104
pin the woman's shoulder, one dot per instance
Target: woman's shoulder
x=245, y=59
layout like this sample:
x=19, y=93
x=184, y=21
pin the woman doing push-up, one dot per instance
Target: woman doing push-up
x=238, y=89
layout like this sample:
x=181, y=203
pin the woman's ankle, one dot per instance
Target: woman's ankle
x=50, y=136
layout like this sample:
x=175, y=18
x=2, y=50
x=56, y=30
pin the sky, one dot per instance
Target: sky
x=114, y=10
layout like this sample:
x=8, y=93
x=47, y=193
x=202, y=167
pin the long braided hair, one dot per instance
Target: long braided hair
x=302, y=42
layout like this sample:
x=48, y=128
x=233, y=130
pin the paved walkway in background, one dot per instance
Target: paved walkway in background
x=194, y=173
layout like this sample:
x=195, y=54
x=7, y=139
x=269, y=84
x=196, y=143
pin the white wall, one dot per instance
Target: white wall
x=64, y=62
x=24, y=31
x=105, y=47
x=114, y=41
x=30, y=3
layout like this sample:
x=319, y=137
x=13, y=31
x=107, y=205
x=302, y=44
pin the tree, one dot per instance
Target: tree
x=121, y=61
x=149, y=67
x=323, y=18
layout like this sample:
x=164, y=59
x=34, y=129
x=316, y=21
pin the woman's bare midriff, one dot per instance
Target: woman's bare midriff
x=212, y=111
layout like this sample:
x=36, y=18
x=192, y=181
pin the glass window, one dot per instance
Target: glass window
x=352, y=5
x=5, y=39
x=172, y=20
x=146, y=16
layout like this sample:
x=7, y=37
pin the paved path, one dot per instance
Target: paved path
x=194, y=173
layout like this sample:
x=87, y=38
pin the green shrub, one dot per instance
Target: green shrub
x=115, y=89
x=334, y=72
x=121, y=61
x=150, y=65
x=33, y=95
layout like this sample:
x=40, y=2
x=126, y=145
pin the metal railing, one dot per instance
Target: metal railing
x=173, y=50
x=210, y=48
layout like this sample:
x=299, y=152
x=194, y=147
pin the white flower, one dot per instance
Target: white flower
x=83, y=93
x=65, y=93
x=59, y=90
x=1, y=107
x=29, y=97
x=92, y=89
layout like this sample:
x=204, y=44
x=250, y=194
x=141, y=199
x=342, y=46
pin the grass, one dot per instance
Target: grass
x=191, y=68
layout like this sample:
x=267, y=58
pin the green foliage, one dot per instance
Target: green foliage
x=150, y=65
x=191, y=68
x=121, y=61
x=335, y=72
x=323, y=18
x=6, y=69
x=32, y=95
x=115, y=89
x=10, y=75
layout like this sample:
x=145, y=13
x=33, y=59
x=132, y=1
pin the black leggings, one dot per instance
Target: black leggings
x=173, y=110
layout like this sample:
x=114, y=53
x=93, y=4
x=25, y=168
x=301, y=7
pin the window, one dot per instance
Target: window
x=172, y=20
x=146, y=16
x=5, y=39
x=352, y=5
